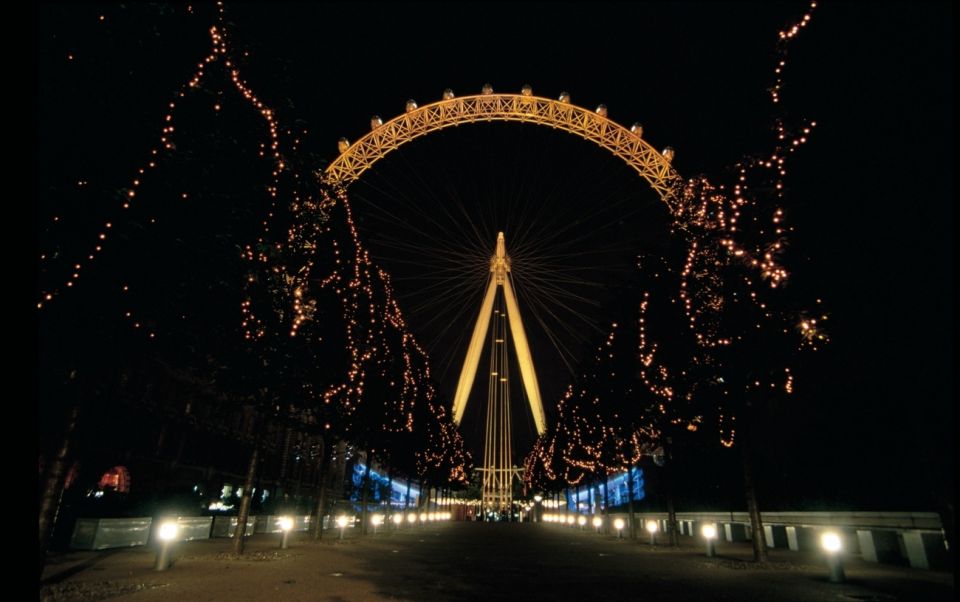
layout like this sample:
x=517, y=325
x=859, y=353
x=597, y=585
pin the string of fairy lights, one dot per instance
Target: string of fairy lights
x=735, y=235
x=378, y=344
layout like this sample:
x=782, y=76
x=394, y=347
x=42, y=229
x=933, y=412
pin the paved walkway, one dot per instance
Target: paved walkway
x=475, y=561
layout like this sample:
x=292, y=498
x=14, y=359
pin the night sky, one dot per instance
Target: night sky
x=870, y=195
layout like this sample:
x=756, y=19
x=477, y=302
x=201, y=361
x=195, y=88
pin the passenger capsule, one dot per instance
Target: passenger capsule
x=411, y=105
x=487, y=89
x=637, y=129
x=375, y=122
x=343, y=144
x=564, y=97
x=602, y=110
x=448, y=94
x=526, y=91
x=668, y=154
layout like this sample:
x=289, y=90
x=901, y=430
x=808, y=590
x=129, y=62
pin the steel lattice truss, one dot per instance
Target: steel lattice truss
x=628, y=145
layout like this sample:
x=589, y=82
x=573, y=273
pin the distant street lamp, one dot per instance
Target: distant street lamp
x=710, y=533
x=652, y=530
x=830, y=540
x=286, y=524
x=166, y=533
x=342, y=523
x=618, y=525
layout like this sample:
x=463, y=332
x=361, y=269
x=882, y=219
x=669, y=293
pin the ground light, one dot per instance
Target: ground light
x=398, y=520
x=342, y=523
x=597, y=523
x=710, y=534
x=286, y=525
x=571, y=520
x=581, y=520
x=652, y=530
x=412, y=518
x=830, y=541
x=376, y=520
x=166, y=533
x=618, y=525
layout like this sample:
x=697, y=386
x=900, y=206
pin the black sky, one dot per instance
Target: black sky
x=871, y=194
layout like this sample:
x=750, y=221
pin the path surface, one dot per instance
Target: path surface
x=476, y=561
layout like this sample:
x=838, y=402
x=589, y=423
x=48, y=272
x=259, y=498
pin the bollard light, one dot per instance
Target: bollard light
x=618, y=525
x=571, y=519
x=167, y=533
x=376, y=520
x=597, y=523
x=411, y=518
x=342, y=523
x=286, y=525
x=652, y=530
x=710, y=534
x=538, y=498
x=398, y=520
x=581, y=520
x=830, y=540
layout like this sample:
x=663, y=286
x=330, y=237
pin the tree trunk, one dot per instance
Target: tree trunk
x=239, y=535
x=53, y=489
x=389, y=499
x=406, y=500
x=606, y=505
x=279, y=485
x=365, y=488
x=322, y=494
x=632, y=522
x=672, y=531
x=756, y=524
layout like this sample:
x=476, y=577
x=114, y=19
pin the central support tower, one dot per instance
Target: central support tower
x=498, y=470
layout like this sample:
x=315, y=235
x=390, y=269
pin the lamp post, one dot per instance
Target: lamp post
x=342, y=523
x=652, y=530
x=166, y=533
x=398, y=520
x=597, y=523
x=710, y=534
x=831, y=543
x=581, y=521
x=376, y=520
x=286, y=525
x=538, y=509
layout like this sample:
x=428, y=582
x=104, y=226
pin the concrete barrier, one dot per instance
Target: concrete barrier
x=906, y=538
x=104, y=533
x=226, y=526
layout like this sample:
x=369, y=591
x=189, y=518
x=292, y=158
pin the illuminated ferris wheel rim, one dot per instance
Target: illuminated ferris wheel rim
x=626, y=143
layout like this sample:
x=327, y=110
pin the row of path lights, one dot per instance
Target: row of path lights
x=830, y=541
x=168, y=531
